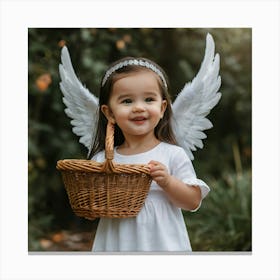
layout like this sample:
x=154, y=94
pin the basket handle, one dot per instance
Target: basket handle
x=108, y=166
x=109, y=141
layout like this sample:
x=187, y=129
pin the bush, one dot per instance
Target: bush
x=223, y=223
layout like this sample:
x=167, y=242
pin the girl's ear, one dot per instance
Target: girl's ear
x=163, y=107
x=108, y=113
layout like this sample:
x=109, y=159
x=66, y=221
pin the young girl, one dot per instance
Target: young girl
x=134, y=96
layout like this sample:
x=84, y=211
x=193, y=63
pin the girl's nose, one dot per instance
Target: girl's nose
x=138, y=107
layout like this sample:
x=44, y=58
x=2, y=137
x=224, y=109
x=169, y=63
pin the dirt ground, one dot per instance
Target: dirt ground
x=67, y=240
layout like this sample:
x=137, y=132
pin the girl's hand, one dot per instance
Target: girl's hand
x=185, y=196
x=159, y=173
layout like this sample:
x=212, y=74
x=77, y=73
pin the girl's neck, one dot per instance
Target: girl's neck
x=136, y=145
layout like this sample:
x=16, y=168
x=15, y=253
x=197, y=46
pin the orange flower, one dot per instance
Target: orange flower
x=120, y=44
x=127, y=38
x=43, y=82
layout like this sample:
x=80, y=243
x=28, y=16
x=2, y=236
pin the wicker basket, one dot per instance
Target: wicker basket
x=105, y=189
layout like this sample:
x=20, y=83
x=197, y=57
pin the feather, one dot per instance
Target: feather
x=81, y=104
x=196, y=100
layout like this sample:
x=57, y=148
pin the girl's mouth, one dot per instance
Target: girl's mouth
x=139, y=120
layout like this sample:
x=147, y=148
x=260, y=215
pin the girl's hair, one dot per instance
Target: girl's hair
x=163, y=130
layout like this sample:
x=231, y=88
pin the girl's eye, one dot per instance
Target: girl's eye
x=149, y=99
x=127, y=101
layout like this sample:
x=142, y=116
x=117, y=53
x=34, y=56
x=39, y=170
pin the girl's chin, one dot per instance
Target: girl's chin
x=139, y=130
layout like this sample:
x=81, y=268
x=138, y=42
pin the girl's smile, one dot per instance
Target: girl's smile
x=139, y=120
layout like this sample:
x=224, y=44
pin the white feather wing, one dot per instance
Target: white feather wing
x=81, y=104
x=196, y=100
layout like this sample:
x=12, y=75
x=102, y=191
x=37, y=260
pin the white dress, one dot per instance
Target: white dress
x=159, y=226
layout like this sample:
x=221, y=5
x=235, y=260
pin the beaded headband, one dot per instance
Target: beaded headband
x=133, y=62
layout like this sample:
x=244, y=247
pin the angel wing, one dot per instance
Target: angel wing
x=196, y=100
x=81, y=104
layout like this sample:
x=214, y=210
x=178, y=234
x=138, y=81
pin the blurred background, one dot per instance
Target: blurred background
x=223, y=223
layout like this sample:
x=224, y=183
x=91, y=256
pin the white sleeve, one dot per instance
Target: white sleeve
x=182, y=169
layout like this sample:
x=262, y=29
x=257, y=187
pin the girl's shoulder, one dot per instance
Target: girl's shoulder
x=175, y=154
x=171, y=148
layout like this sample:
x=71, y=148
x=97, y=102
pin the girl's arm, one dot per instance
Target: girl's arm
x=184, y=196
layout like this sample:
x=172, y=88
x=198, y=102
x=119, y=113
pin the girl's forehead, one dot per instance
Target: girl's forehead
x=142, y=79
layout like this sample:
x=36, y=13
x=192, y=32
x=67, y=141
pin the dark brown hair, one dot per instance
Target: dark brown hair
x=163, y=130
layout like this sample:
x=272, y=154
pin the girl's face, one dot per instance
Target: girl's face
x=136, y=104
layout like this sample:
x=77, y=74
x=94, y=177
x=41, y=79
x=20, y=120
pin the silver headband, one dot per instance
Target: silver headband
x=133, y=62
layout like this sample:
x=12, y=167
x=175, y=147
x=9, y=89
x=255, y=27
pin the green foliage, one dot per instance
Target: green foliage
x=179, y=51
x=224, y=221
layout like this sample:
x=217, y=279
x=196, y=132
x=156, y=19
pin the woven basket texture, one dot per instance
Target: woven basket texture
x=105, y=189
